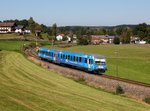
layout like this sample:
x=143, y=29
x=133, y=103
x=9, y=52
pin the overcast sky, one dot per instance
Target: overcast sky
x=78, y=12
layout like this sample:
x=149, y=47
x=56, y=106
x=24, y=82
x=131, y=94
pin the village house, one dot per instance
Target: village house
x=7, y=27
x=60, y=37
x=136, y=40
x=19, y=29
x=101, y=39
x=95, y=39
x=74, y=39
x=27, y=30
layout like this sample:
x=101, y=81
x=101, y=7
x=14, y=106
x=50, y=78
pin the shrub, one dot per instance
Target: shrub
x=32, y=44
x=119, y=90
x=116, y=40
x=147, y=100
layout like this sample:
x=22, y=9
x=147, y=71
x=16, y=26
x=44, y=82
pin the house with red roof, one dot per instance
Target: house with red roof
x=60, y=37
x=7, y=27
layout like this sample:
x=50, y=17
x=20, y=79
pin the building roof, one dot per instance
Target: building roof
x=19, y=27
x=7, y=24
x=97, y=37
x=61, y=35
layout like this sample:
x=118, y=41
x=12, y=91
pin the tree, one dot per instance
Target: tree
x=22, y=22
x=82, y=40
x=141, y=30
x=49, y=30
x=44, y=28
x=126, y=34
x=104, y=31
x=111, y=32
x=54, y=30
x=119, y=31
x=32, y=24
x=37, y=27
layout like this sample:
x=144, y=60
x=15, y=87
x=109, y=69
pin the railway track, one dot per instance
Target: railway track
x=126, y=80
x=30, y=53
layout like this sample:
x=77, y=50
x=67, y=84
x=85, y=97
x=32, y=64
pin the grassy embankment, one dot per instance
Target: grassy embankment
x=133, y=61
x=9, y=36
x=12, y=45
x=16, y=36
x=25, y=86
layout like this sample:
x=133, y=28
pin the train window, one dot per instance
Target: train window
x=68, y=57
x=77, y=59
x=85, y=60
x=46, y=53
x=61, y=56
x=74, y=58
x=80, y=58
x=58, y=55
x=71, y=58
x=90, y=61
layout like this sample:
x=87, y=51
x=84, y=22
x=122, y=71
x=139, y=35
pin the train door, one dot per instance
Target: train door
x=90, y=64
x=56, y=56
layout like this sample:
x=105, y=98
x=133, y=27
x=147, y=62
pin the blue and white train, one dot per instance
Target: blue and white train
x=89, y=62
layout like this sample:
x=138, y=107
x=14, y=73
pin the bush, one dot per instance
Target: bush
x=116, y=40
x=147, y=100
x=119, y=90
x=83, y=41
x=32, y=45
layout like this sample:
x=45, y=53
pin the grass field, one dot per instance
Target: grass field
x=12, y=45
x=16, y=36
x=25, y=86
x=133, y=61
x=9, y=36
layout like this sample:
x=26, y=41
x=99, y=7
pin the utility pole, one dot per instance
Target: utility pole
x=116, y=53
x=37, y=33
x=52, y=41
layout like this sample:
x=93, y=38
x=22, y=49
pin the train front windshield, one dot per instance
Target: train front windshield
x=100, y=61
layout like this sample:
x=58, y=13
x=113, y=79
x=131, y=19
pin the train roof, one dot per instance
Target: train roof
x=88, y=54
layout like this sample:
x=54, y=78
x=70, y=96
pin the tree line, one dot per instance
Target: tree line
x=84, y=32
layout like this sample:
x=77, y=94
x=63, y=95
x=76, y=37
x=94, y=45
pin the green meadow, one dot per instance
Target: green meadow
x=9, y=36
x=132, y=61
x=12, y=45
x=25, y=86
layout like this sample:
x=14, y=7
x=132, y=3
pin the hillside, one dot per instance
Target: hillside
x=25, y=86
